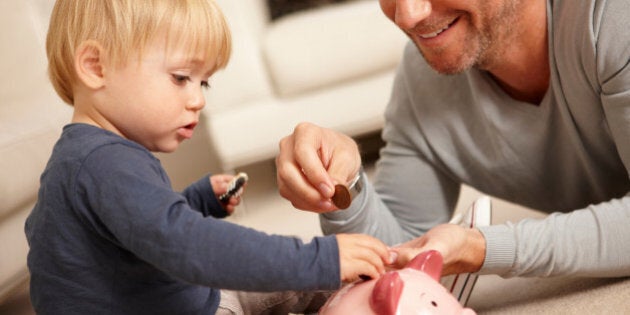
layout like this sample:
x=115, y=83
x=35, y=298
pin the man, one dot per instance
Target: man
x=530, y=103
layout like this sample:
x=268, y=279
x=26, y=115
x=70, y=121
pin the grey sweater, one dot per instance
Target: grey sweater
x=108, y=235
x=568, y=156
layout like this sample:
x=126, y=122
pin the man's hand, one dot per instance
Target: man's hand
x=463, y=249
x=312, y=160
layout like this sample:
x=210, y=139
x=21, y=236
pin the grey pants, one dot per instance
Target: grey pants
x=263, y=303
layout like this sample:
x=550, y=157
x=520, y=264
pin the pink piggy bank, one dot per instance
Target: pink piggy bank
x=412, y=290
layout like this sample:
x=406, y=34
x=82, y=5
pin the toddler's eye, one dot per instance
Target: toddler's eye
x=205, y=84
x=180, y=79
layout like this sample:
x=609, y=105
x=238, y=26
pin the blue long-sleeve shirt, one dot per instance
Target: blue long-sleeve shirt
x=108, y=235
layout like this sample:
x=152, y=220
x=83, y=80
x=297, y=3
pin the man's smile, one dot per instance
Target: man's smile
x=436, y=31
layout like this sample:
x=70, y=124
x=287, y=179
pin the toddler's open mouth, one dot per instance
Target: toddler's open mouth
x=187, y=131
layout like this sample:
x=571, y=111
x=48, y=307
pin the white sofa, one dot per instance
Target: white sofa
x=328, y=66
x=31, y=117
x=332, y=66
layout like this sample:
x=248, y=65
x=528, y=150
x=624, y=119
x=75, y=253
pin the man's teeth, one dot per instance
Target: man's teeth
x=434, y=34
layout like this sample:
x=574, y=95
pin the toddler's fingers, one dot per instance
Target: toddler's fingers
x=374, y=260
x=220, y=183
x=377, y=247
x=361, y=270
x=370, y=271
x=235, y=200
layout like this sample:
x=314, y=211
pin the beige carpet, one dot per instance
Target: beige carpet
x=494, y=295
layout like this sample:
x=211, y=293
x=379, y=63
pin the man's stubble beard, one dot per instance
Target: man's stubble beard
x=488, y=47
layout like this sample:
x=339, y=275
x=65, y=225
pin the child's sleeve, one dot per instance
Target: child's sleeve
x=125, y=197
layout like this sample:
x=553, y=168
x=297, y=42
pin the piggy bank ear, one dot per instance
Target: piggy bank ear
x=429, y=262
x=386, y=294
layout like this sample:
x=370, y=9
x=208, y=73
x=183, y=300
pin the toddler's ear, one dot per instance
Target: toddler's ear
x=89, y=64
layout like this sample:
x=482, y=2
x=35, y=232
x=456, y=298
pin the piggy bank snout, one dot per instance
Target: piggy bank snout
x=411, y=290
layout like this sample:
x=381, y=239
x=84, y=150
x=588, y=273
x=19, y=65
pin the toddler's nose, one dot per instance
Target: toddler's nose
x=197, y=101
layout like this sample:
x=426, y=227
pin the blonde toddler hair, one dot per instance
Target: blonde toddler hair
x=125, y=27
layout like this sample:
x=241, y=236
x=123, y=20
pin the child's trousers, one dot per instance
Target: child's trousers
x=263, y=303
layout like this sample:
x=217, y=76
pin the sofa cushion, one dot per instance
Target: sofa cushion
x=31, y=117
x=319, y=48
x=245, y=78
x=31, y=114
x=13, y=270
x=251, y=133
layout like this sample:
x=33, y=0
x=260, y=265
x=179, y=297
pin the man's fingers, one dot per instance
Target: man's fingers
x=311, y=161
x=293, y=186
x=292, y=182
x=404, y=255
x=345, y=163
x=313, y=157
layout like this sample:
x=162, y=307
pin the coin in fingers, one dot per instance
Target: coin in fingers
x=342, y=197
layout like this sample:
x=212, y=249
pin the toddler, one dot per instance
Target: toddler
x=108, y=235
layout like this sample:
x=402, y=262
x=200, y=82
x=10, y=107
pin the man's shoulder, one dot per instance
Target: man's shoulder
x=590, y=15
x=591, y=35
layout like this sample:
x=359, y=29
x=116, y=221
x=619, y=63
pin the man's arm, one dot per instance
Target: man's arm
x=410, y=195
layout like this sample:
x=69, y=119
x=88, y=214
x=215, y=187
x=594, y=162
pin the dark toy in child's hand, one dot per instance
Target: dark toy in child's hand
x=235, y=187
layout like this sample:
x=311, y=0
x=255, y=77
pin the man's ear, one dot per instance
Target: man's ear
x=89, y=63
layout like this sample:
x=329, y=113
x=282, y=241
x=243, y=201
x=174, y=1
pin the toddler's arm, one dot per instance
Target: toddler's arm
x=361, y=255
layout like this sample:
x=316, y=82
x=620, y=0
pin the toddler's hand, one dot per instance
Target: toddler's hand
x=361, y=255
x=220, y=184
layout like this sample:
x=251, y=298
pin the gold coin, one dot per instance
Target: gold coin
x=341, y=198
